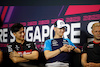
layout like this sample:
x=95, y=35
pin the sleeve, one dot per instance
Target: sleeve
x=47, y=45
x=10, y=48
x=84, y=49
x=70, y=43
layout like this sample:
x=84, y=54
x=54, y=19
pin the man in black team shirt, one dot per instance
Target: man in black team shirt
x=91, y=50
x=22, y=52
x=57, y=51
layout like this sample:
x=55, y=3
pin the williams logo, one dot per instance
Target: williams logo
x=54, y=43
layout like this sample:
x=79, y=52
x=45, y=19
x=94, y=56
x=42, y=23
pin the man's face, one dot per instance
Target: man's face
x=59, y=31
x=96, y=32
x=20, y=34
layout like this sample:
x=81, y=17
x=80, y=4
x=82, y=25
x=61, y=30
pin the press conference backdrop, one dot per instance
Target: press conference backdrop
x=38, y=22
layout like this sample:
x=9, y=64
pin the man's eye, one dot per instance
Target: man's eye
x=20, y=32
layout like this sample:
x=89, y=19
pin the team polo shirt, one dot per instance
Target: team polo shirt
x=53, y=44
x=25, y=48
x=93, y=51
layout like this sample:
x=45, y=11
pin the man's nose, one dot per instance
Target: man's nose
x=62, y=29
x=23, y=33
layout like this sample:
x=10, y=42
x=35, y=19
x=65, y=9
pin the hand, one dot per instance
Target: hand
x=14, y=54
x=71, y=47
x=66, y=48
x=91, y=64
x=86, y=65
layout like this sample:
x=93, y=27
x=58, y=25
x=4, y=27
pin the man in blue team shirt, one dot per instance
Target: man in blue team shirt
x=57, y=51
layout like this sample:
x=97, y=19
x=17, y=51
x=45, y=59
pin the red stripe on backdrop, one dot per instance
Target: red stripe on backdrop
x=77, y=9
x=4, y=13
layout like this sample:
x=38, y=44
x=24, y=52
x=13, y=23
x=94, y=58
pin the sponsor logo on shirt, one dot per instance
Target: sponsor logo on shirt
x=10, y=48
x=17, y=48
x=65, y=42
x=54, y=43
x=90, y=45
x=28, y=45
x=25, y=52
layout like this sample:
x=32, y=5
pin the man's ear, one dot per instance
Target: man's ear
x=92, y=31
x=14, y=33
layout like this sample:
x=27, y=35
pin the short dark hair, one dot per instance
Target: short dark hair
x=16, y=27
x=55, y=24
